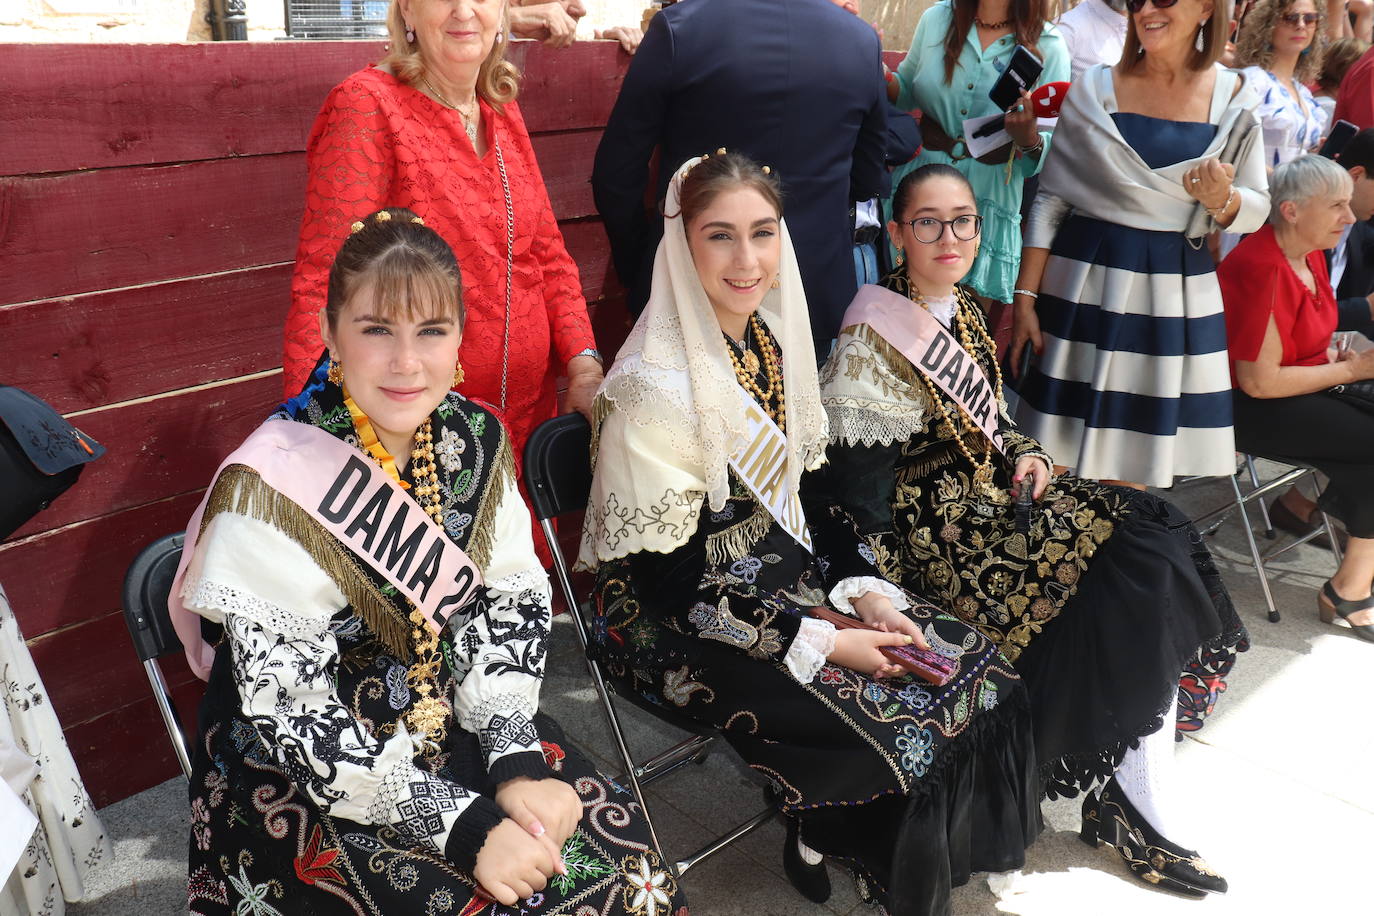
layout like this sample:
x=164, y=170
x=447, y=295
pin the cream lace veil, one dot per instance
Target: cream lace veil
x=673, y=377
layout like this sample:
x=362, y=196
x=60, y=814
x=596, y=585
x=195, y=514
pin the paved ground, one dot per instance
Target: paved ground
x=1280, y=796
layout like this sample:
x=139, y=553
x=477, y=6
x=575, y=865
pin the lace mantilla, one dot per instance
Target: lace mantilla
x=814, y=642
x=867, y=423
x=206, y=594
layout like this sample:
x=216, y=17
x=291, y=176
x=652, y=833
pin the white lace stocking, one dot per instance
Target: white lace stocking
x=1146, y=776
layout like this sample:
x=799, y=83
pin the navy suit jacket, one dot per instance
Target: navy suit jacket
x=1352, y=293
x=796, y=85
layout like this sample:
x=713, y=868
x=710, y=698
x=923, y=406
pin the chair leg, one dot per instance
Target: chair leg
x=682, y=866
x=169, y=715
x=1269, y=531
x=1331, y=536
x=1255, y=556
x=598, y=681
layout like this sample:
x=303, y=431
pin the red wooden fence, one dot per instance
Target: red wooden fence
x=150, y=197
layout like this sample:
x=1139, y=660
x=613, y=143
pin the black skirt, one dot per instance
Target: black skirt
x=1106, y=670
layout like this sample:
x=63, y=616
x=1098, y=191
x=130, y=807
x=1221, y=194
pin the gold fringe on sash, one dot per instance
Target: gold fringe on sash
x=241, y=490
x=483, y=528
x=736, y=541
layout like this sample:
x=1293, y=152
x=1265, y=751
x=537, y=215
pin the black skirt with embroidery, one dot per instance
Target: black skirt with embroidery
x=260, y=845
x=914, y=787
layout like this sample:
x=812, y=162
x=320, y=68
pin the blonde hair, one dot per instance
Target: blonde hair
x=1214, y=34
x=498, y=80
x=1255, y=45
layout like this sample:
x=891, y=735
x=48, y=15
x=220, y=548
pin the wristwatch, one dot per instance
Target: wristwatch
x=593, y=353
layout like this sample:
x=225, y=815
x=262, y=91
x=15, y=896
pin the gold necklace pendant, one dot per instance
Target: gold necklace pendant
x=751, y=362
x=984, y=486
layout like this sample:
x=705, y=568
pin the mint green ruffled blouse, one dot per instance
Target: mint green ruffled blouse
x=922, y=79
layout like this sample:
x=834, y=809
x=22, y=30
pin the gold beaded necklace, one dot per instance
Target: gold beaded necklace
x=772, y=368
x=966, y=324
x=427, y=717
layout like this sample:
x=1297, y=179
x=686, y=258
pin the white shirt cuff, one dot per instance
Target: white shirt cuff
x=814, y=642
x=856, y=586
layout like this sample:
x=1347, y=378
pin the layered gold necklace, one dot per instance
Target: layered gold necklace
x=966, y=325
x=773, y=400
x=429, y=714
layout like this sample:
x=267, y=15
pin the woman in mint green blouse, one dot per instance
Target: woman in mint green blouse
x=983, y=33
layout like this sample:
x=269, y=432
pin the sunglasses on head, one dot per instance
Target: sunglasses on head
x=1136, y=6
x=1297, y=19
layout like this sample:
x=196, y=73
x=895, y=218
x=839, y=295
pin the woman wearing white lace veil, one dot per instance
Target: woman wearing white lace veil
x=711, y=544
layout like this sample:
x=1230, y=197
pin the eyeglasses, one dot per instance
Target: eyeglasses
x=1297, y=19
x=1136, y=6
x=928, y=230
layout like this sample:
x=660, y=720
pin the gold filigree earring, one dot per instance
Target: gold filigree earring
x=335, y=373
x=901, y=256
x=458, y=375
x=776, y=283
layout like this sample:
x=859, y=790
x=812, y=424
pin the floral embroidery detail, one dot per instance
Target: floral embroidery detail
x=553, y=755
x=316, y=864
x=449, y=450
x=583, y=864
x=678, y=687
x=200, y=823
x=831, y=675
x=916, y=745
x=649, y=891
x=719, y=624
x=747, y=568
x=254, y=896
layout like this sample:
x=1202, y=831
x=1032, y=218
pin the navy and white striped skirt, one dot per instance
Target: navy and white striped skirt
x=1134, y=383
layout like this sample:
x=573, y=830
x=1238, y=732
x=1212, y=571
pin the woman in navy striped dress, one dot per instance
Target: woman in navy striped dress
x=1117, y=291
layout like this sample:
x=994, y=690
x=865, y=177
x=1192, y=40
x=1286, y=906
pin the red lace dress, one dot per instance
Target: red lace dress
x=379, y=143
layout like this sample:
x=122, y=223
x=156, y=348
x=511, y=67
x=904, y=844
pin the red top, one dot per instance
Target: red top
x=1355, y=98
x=379, y=143
x=1256, y=282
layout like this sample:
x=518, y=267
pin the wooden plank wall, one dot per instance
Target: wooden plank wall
x=150, y=197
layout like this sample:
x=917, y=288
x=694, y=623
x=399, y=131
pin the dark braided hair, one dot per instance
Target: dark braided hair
x=411, y=268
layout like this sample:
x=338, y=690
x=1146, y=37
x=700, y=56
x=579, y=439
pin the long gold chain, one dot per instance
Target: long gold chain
x=468, y=114
x=426, y=473
x=964, y=322
x=772, y=368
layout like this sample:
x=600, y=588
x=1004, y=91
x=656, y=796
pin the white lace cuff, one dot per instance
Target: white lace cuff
x=857, y=586
x=213, y=600
x=535, y=580
x=808, y=652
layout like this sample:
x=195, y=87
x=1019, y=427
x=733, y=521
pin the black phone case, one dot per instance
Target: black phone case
x=1342, y=132
x=1023, y=69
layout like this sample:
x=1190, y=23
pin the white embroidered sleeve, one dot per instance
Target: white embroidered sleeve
x=856, y=586
x=814, y=642
x=501, y=648
x=286, y=689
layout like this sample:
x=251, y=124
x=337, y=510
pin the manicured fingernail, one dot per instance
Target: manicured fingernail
x=537, y=829
x=909, y=640
x=562, y=867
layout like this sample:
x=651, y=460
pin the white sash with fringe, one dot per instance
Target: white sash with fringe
x=761, y=464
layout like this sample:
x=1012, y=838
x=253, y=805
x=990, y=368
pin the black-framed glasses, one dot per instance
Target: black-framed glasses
x=928, y=229
x=1136, y=6
x=1300, y=19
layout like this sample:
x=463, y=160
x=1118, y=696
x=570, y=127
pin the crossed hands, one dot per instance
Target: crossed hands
x=524, y=851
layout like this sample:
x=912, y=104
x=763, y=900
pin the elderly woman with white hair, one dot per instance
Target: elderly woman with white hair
x=1295, y=399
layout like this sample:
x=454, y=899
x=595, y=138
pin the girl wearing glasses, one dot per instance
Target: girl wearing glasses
x=1099, y=595
x=1117, y=291
x=1281, y=48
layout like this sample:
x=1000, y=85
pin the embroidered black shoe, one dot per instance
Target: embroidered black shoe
x=1150, y=856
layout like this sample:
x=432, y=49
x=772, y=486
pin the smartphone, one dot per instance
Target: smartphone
x=1342, y=132
x=1023, y=69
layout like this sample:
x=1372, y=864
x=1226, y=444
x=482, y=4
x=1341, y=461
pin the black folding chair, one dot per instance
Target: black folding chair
x=558, y=475
x=146, y=587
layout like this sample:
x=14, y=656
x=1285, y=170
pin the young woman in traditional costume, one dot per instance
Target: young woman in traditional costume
x=369, y=741
x=710, y=548
x=1100, y=595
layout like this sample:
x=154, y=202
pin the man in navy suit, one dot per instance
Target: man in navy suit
x=1351, y=262
x=796, y=85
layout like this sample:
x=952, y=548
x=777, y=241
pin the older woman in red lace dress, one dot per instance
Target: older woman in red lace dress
x=435, y=128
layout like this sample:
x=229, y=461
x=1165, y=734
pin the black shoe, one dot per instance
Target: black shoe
x=1286, y=520
x=1150, y=857
x=811, y=881
x=1329, y=604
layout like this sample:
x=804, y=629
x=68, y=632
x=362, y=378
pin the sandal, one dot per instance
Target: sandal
x=1329, y=604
